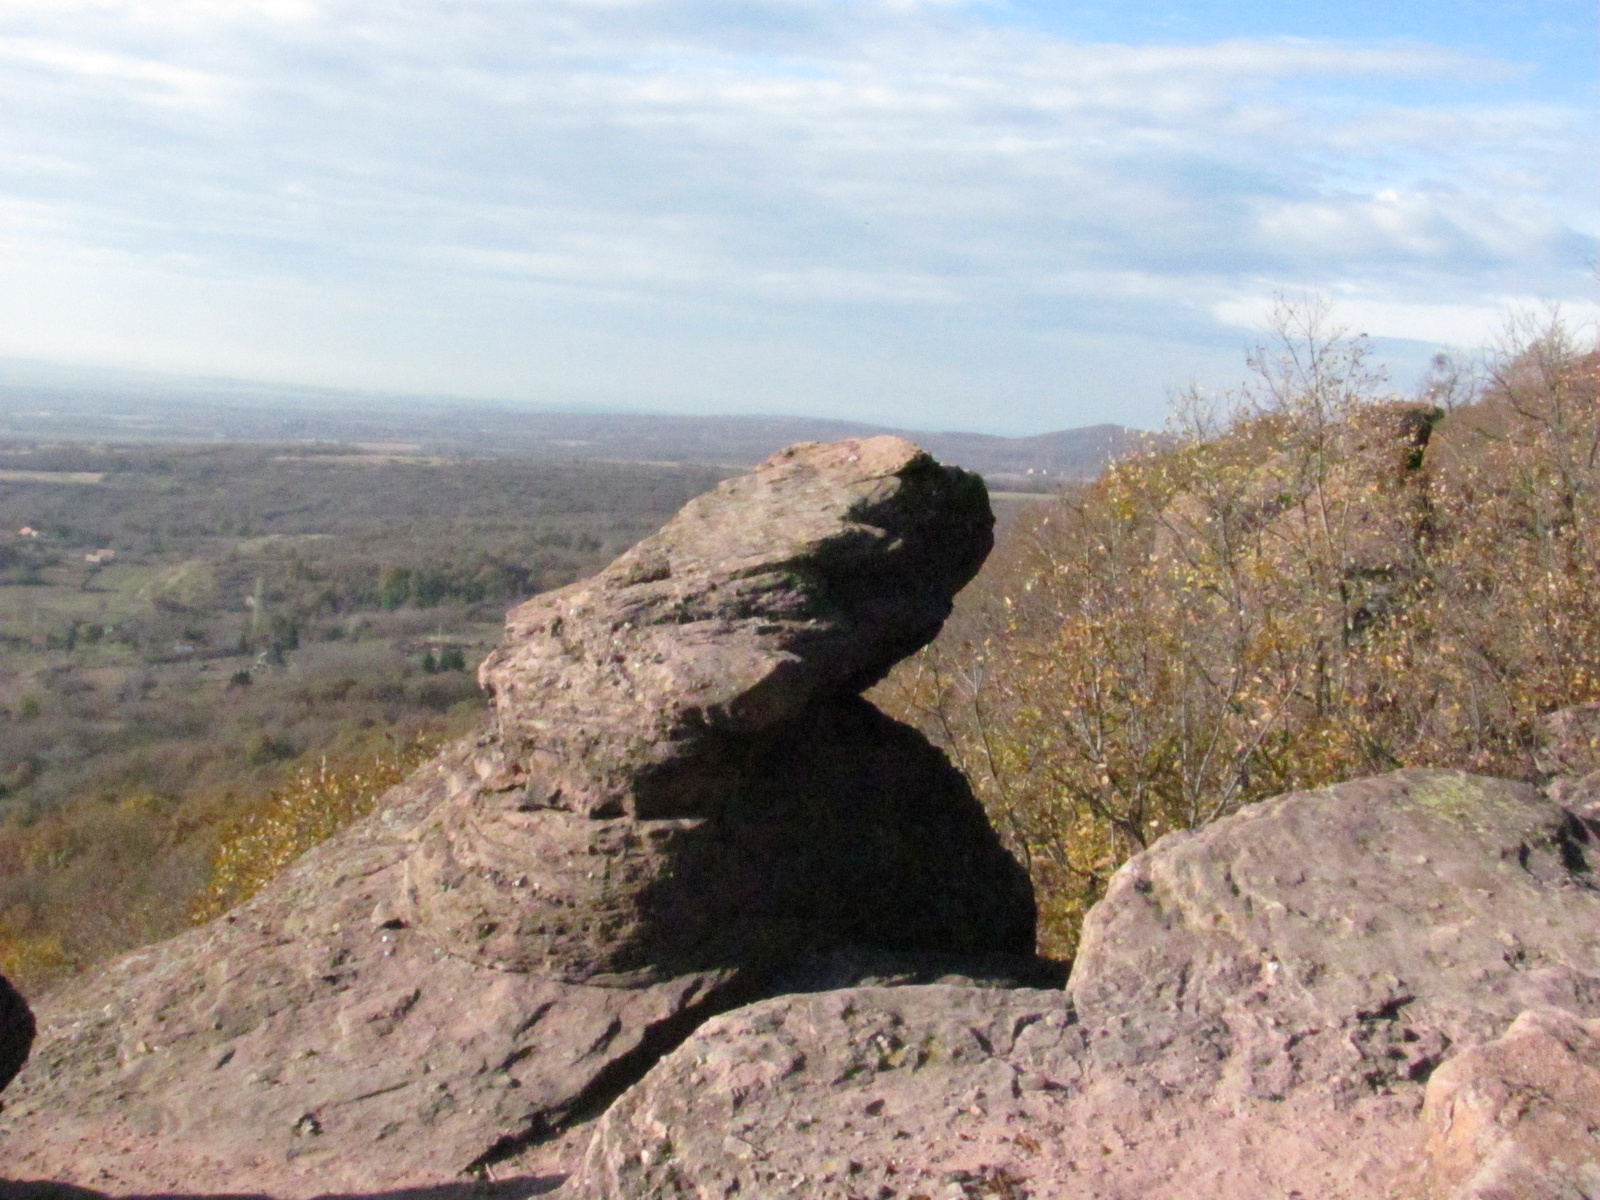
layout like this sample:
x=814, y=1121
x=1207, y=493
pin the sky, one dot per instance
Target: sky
x=1003, y=215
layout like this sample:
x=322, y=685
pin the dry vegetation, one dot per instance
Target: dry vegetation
x=1311, y=581
x=315, y=804
x=1314, y=582
x=278, y=631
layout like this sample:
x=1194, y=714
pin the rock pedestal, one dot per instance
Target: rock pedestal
x=680, y=793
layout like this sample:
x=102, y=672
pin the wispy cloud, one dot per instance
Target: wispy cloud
x=776, y=175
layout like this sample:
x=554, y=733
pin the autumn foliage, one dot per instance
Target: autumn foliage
x=1310, y=581
x=315, y=804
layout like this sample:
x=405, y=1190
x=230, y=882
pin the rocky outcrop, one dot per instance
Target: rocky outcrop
x=1516, y=1119
x=680, y=795
x=688, y=721
x=16, y=1031
x=1256, y=1011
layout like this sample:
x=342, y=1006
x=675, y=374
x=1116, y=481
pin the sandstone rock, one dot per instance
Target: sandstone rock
x=1519, y=1117
x=681, y=792
x=305, y=1043
x=631, y=692
x=829, y=807
x=16, y=1031
x=1255, y=1012
x=840, y=1094
x=681, y=740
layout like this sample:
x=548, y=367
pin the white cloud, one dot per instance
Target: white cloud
x=168, y=13
x=780, y=172
x=161, y=81
x=1466, y=326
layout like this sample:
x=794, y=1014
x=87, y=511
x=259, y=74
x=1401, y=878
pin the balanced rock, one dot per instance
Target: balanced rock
x=1255, y=1012
x=633, y=692
x=16, y=1031
x=682, y=774
x=681, y=792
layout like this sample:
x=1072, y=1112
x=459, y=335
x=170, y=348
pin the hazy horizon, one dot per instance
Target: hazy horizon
x=1005, y=216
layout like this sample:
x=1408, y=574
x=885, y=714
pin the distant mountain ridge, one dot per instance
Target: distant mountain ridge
x=135, y=411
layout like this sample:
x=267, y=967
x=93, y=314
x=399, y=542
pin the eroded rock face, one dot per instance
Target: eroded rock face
x=1255, y=1012
x=633, y=693
x=16, y=1031
x=681, y=792
x=1515, y=1119
x=830, y=806
x=682, y=776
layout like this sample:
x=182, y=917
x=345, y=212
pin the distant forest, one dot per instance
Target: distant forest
x=189, y=631
x=407, y=425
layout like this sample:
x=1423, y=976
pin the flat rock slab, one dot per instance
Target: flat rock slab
x=303, y=1045
x=952, y=1093
x=1255, y=1012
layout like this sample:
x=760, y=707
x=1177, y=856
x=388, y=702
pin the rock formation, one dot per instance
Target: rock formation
x=16, y=1032
x=1516, y=1119
x=1256, y=1011
x=681, y=793
x=1388, y=988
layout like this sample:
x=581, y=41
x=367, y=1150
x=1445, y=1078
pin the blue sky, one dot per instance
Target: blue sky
x=1006, y=216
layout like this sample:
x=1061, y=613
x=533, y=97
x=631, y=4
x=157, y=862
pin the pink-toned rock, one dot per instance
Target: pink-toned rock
x=1255, y=1012
x=682, y=775
x=681, y=793
x=305, y=1044
x=630, y=693
x=1519, y=1117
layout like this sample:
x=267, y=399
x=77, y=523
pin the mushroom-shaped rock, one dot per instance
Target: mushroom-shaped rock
x=633, y=693
x=683, y=775
x=681, y=789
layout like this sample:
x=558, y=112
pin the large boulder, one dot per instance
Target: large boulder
x=1255, y=1012
x=680, y=795
x=1519, y=1117
x=681, y=773
x=633, y=692
x=16, y=1031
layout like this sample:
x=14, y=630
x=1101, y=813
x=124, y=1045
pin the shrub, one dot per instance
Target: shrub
x=1311, y=583
x=315, y=804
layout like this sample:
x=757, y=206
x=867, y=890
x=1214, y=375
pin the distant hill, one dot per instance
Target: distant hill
x=129, y=408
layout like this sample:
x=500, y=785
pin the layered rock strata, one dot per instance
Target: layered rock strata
x=681, y=793
x=1256, y=1013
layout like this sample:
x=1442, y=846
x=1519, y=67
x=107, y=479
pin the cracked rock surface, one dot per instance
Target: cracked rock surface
x=681, y=794
x=1256, y=1012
